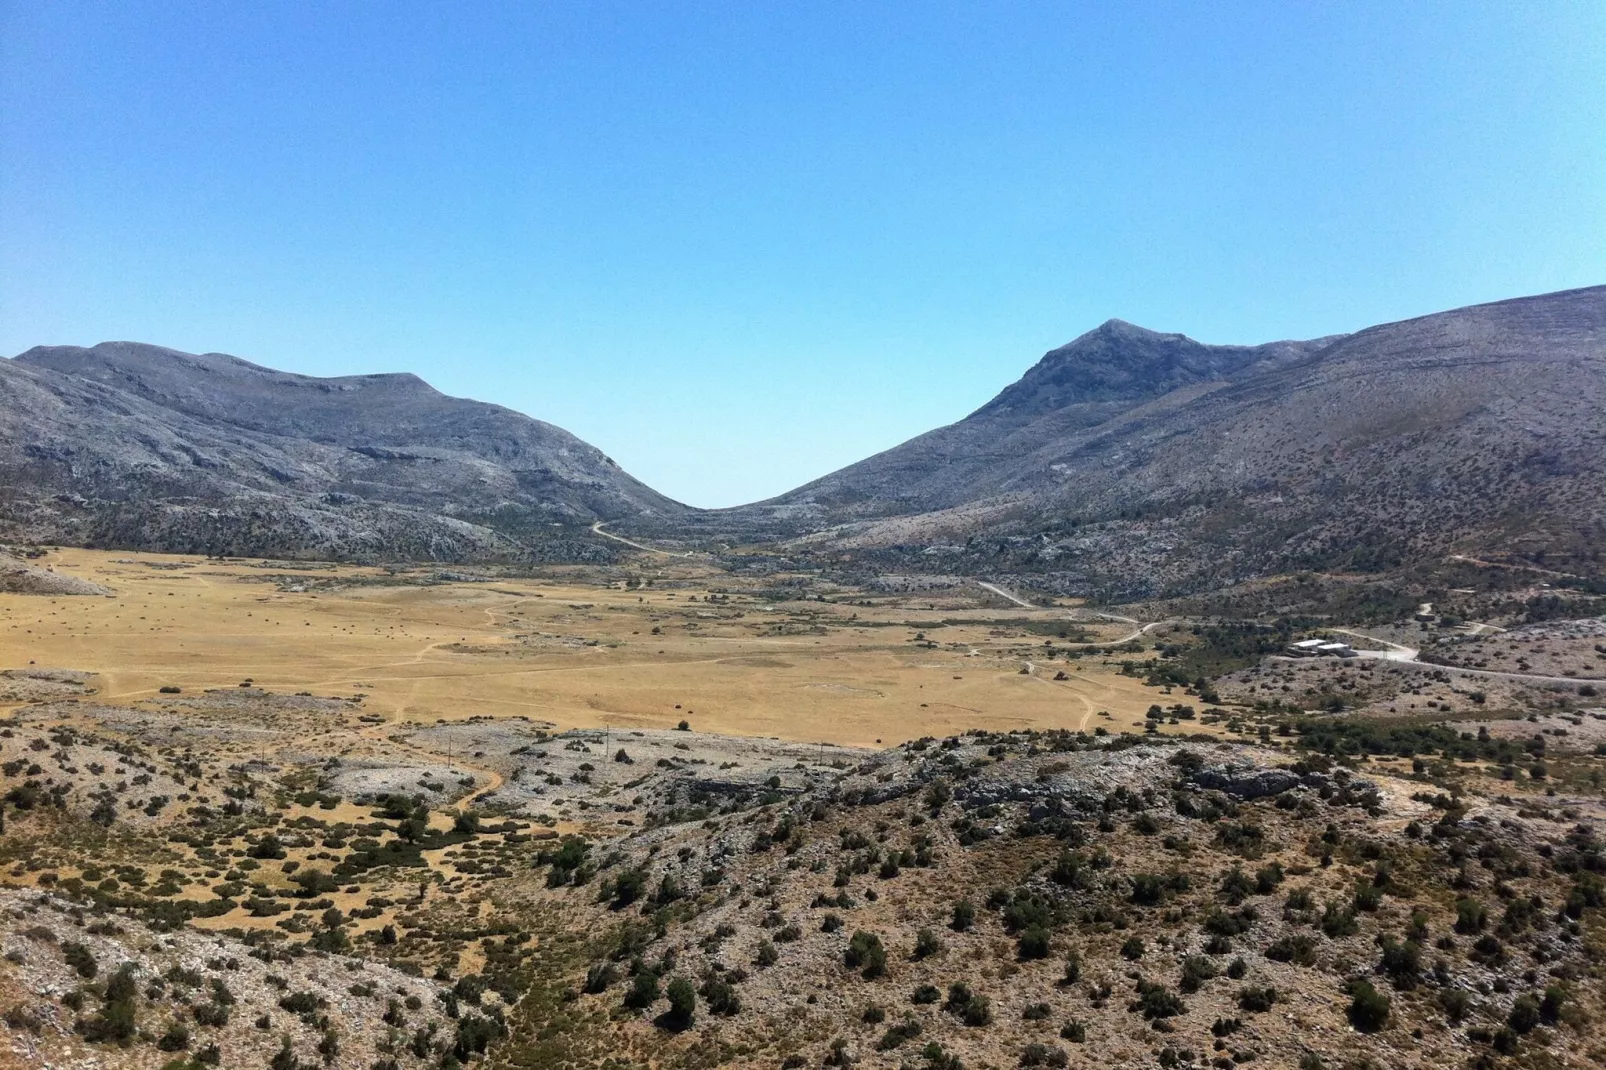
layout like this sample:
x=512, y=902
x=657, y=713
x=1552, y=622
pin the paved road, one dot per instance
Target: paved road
x=596, y=529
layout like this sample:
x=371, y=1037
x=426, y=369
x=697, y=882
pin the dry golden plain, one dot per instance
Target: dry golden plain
x=568, y=647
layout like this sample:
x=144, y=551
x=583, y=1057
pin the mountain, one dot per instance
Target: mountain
x=1132, y=464
x=1096, y=379
x=134, y=445
x=1126, y=464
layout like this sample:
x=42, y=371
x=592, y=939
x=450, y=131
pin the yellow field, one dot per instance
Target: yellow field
x=575, y=653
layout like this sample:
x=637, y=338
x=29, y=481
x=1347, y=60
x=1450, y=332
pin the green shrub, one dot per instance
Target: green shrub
x=865, y=954
x=599, y=977
x=1524, y=1016
x=1156, y=1001
x=682, y=1003
x=979, y=1011
x=897, y=1035
x=964, y=916
x=1035, y=943
x=1457, y=1004
x=1196, y=970
x=116, y=1021
x=1297, y=948
x=1470, y=917
x=1402, y=962
x=81, y=959
x=177, y=1038
x=1257, y=998
x=1369, y=1008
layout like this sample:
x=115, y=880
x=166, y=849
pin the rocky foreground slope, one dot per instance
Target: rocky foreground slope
x=243, y=878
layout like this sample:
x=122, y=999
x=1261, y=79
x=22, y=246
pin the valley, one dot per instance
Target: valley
x=1184, y=705
x=287, y=814
x=786, y=656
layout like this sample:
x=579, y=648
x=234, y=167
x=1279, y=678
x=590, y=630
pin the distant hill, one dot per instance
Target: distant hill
x=125, y=444
x=1132, y=463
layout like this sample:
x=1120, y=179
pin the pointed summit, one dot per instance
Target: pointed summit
x=1117, y=361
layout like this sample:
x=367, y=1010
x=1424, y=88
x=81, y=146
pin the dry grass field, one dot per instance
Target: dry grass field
x=574, y=650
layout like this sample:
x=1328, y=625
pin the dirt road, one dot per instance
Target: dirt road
x=1000, y=592
x=596, y=529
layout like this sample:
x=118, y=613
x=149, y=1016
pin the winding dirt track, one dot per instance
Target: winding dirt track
x=1000, y=592
x=596, y=529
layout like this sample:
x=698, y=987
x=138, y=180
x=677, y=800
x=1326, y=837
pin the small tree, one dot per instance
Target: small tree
x=628, y=886
x=644, y=990
x=682, y=1003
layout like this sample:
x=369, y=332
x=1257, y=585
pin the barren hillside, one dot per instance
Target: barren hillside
x=134, y=445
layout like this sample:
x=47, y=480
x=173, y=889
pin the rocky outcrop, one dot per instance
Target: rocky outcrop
x=1246, y=782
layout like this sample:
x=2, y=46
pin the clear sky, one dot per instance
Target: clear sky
x=738, y=245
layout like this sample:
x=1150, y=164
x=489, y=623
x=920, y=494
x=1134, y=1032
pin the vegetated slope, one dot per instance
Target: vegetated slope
x=1132, y=463
x=1053, y=900
x=136, y=445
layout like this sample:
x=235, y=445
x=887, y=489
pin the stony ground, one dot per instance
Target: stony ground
x=201, y=996
x=1126, y=904
x=1575, y=648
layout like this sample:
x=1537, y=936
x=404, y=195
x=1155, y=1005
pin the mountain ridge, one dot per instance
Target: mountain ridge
x=1125, y=463
x=143, y=445
x=1473, y=429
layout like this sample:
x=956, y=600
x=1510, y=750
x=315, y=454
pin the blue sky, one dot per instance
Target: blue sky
x=739, y=245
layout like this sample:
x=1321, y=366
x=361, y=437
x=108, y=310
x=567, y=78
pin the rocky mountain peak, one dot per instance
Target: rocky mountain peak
x=1116, y=362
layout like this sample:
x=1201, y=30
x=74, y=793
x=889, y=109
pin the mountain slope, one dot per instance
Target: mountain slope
x=136, y=445
x=1131, y=463
x=1105, y=373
